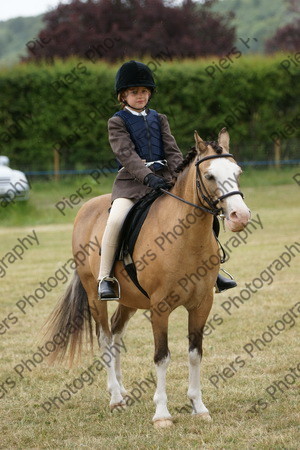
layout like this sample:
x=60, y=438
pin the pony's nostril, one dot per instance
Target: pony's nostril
x=239, y=216
x=233, y=216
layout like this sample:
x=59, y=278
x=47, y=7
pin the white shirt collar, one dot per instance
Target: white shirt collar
x=135, y=113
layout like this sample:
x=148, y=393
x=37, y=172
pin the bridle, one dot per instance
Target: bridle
x=204, y=192
x=201, y=188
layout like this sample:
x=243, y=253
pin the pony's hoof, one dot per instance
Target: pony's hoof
x=121, y=406
x=204, y=416
x=163, y=423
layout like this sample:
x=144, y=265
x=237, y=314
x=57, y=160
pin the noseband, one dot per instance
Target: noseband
x=207, y=198
x=204, y=192
x=201, y=187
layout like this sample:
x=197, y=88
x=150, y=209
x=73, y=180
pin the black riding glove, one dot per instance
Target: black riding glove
x=156, y=182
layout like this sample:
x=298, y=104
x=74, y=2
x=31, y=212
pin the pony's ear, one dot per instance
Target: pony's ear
x=223, y=139
x=200, y=145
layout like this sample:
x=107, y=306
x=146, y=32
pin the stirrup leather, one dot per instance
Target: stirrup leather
x=114, y=280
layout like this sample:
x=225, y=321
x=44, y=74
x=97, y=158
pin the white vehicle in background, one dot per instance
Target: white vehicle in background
x=13, y=183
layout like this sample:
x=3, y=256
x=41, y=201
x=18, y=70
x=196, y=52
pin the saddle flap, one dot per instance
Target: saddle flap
x=130, y=232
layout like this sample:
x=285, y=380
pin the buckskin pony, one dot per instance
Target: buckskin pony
x=202, y=179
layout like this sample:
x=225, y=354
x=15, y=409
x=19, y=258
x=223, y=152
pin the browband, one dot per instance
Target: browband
x=223, y=155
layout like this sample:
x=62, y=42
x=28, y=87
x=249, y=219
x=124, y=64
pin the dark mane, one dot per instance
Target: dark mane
x=190, y=156
x=187, y=160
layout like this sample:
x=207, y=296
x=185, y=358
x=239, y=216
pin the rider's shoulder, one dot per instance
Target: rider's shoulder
x=161, y=116
x=115, y=122
x=115, y=119
x=163, y=119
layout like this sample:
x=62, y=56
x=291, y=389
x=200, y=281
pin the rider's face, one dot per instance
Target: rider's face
x=137, y=97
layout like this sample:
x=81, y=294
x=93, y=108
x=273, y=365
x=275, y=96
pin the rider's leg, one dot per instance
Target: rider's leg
x=109, y=245
x=222, y=283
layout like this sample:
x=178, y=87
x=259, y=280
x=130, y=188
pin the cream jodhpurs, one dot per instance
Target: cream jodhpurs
x=110, y=240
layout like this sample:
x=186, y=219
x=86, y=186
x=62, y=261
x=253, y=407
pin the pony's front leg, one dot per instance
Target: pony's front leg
x=162, y=418
x=197, y=319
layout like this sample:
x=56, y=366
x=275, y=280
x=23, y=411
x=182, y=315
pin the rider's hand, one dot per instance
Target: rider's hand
x=156, y=182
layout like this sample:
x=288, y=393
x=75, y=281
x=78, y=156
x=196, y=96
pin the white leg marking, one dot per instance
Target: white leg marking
x=160, y=396
x=117, y=341
x=108, y=359
x=194, y=391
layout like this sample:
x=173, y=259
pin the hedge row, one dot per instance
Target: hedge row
x=66, y=106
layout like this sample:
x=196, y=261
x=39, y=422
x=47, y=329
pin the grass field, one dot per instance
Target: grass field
x=263, y=380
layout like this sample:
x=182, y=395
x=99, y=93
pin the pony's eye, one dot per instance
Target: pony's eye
x=209, y=177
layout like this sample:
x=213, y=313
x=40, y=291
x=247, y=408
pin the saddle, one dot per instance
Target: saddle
x=129, y=234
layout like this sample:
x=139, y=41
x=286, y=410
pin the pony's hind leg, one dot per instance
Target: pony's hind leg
x=105, y=341
x=119, y=322
x=197, y=319
x=108, y=356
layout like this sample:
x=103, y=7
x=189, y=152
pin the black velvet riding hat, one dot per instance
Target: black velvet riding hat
x=134, y=73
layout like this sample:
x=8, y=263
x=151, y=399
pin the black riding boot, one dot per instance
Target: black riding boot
x=106, y=290
x=222, y=284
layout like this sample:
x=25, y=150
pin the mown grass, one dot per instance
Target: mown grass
x=44, y=195
x=85, y=420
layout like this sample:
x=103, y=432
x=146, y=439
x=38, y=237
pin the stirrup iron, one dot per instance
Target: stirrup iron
x=227, y=273
x=114, y=280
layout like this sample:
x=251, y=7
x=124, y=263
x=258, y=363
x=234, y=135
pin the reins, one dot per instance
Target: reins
x=200, y=187
x=187, y=202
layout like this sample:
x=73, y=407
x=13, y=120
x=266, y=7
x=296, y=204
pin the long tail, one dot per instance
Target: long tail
x=70, y=324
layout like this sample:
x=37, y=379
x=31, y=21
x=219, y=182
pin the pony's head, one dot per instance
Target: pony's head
x=218, y=180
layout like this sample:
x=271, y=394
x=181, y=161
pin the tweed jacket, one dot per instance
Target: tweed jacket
x=129, y=181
